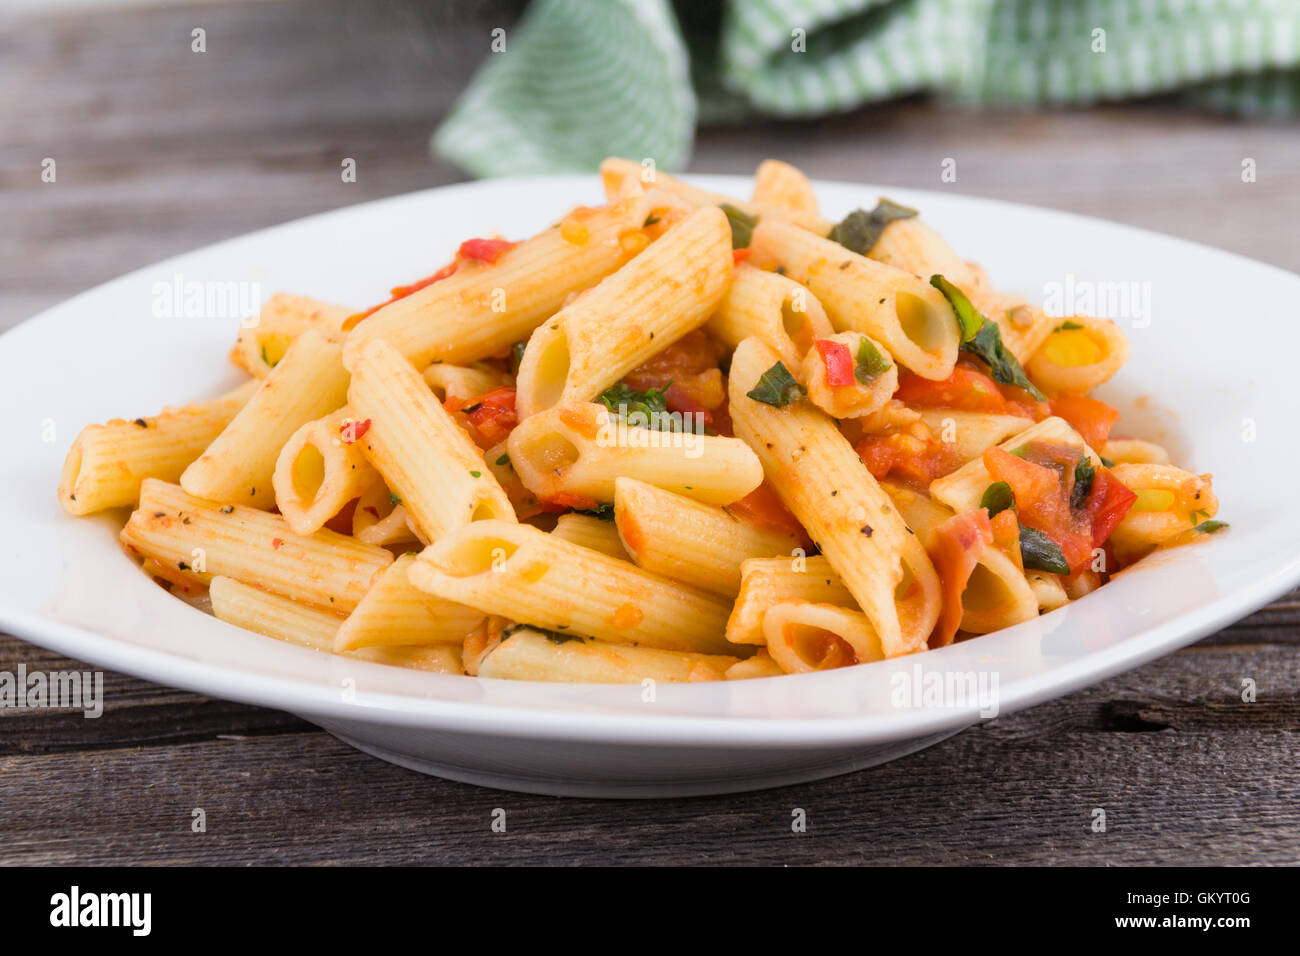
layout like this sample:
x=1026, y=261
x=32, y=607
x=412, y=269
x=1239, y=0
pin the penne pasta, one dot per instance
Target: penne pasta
x=590, y=532
x=658, y=297
x=260, y=345
x=1169, y=502
x=784, y=186
x=901, y=311
x=320, y=469
x=236, y=468
x=202, y=539
x=482, y=309
x=687, y=540
x=802, y=637
x=766, y=582
x=825, y=484
x=971, y=433
x=868, y=379
x=430, y=463
x=107, y=463
x=575, y=453
x=462, y=382
x=393, y=612
x=279, y=617
x=1077, y=355
x=529, y=655
x=773, y=308
x=378, y=518
x=522, y=573
x=1134, y=451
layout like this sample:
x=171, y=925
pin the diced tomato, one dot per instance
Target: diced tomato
x=1043, y=503
x=484, y=250
x=688, y=369
x=764, y=507
x=955, y=548
x=739, y=255
x=1006, y=535
x=965, y=389
x=1091, y=418
x=916, y=460
x=838, y=361
x=1106, y=505
x=401, y=292
x=492, y=416
x=678, y=399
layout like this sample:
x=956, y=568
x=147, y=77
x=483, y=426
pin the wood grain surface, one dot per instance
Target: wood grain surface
x=160, y=150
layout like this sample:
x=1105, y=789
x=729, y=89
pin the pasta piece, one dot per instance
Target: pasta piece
x=285, y=620
x=658, y=297
x=463, y=382
x=202, y=539
x=766, y=582
x=528, y=655
x=107, y=463
x=577, y=451
x=320, y=469
x=972, y=433
x=236, y=468
x=259, y=347
x=518, y=571
x=1078, y=355
x=483, y=309
x=394, y=612
x=802, y=637
x=590, y=532
x=616, y=173
x=689, y=541
x=912, y=245
x=428, y=461
x=872, y=378
x=1134, y=451
x=378, y=518
x=782, y=185
x=1024, y=327
x=760, y=665
x=825, y=484
x=904, y=313
x=775, y=309
x=996, y=594
x=1169, y=502
x=1048, y=590
x=962, y=490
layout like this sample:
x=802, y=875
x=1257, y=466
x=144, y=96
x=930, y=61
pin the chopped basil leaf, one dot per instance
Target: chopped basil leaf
x=1067, y=326
x=777, y=387
x=625, y=402
x=393, y=499
x=969, y=320
x=650, y=220
x=860, y=230
x=1106, y=461
x=605, y=511
x=998, y=497
x=1041, y=553
x=503, y=460
x=987, y=346
x=1209, y=527
x=516, y=356
x=477, y=474
x=870, y=363
x=742, y=226
x=1084, y=473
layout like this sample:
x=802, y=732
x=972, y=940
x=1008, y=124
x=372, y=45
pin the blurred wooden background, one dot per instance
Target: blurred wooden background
x=161, y=150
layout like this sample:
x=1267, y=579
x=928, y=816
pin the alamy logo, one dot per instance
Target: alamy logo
x=184, y=298
x=935, y=689
x=75, y=908
x=76, y=690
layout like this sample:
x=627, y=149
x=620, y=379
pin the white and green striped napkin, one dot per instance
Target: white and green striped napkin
x=579, y=80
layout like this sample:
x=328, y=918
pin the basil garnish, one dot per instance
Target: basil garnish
x=860, y=230
x=742, y=226
x=870, y=363
x=777, y=387
x=1041, y=553
x=997, y=498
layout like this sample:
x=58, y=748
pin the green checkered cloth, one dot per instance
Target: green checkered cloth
x=579, y=80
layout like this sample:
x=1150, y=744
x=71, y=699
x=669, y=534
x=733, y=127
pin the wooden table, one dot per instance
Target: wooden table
x=161, y=150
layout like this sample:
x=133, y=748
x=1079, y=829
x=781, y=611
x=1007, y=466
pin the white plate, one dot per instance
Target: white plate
x=1220, y=350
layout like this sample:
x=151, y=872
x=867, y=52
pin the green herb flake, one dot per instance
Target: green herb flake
x=870, y=363
x=1068, y=326
x=742, y=226
x=1209, y=527
x=394, y=499
x=624, y=402
x=1084, y=473
x=777, y=387
x=477, y=474
x=650, y=220
x=998, y=497
x=969, y=320
x=1041, y=553
x=605, y=511
x=1003, y=366
x=503, y=460
x=1106, y=461
x=861, y=230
